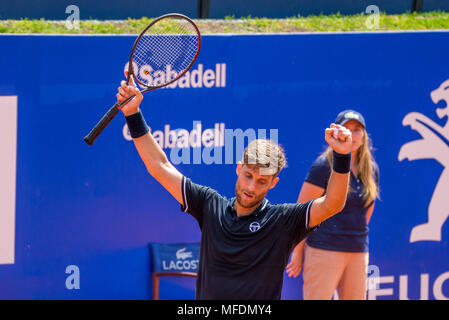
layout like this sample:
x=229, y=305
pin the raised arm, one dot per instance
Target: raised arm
x=335, y=198
x=149, y=150
x=308, y=192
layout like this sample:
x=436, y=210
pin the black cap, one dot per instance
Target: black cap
x=347, y=115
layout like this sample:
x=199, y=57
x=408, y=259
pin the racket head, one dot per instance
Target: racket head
x=164, y=51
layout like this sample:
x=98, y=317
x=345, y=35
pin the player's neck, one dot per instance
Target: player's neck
x=243, y=211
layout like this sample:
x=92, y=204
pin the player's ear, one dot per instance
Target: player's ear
x=274, y=182
x=239, y=167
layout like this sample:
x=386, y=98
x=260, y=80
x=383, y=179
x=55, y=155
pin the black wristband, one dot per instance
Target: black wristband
x=137, y=125
x=341, y=163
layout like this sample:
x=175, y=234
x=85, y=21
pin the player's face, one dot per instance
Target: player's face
x=251, y=186
x=358, y=133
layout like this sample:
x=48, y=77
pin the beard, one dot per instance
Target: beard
x=245, y=202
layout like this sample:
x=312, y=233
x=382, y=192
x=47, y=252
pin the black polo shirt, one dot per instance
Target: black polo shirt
x=243, y=257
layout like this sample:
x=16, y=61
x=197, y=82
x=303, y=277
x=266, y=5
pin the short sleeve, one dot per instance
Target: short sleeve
x=195, y=198
x=297, y=220
x=319, y=173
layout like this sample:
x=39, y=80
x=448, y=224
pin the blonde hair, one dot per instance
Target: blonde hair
x=367, y=167
x=265, y=154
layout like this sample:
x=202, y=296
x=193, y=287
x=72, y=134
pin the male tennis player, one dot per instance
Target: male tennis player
x=245, y=241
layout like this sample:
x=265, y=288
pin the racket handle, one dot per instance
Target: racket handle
x=103, y=123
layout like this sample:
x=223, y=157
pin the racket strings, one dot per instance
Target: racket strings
x=163, y=50
x=171, y=49
x=170, y=45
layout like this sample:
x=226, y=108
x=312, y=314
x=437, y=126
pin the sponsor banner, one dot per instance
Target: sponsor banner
x=197, y=77
x=77, y=220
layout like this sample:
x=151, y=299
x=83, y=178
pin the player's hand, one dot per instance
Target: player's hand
x=293, y=269
x=339, y=138
x=128, y=90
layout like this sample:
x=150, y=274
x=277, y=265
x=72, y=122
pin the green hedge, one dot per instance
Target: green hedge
x=411, y=21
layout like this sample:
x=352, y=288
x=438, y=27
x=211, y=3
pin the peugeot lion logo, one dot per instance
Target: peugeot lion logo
x=433, y=145
x=254, y=226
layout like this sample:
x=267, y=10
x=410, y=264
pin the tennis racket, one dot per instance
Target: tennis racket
x=164, y=51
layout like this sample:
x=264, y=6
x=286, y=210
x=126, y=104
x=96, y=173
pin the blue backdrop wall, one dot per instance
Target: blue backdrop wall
x=114, y=9
x=100, y=9
x=92, y=211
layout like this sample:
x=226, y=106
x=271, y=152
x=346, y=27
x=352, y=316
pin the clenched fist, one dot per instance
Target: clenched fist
x=339, y=138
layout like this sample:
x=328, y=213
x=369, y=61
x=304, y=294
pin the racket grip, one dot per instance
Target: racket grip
x=103, y=123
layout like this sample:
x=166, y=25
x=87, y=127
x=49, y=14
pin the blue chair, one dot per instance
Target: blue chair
x=173, y=259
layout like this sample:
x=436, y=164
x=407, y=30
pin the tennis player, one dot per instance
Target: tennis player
x=245, y=240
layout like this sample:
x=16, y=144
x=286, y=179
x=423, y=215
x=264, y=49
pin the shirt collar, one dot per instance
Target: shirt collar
x=256, y=212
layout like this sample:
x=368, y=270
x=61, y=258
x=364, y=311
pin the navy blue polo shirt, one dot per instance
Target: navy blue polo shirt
x=243, y=257
x=347, y=230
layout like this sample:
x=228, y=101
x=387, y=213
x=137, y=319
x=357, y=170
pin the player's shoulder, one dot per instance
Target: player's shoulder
x=289, y=214
x=286, y=208
x=205, y=191
x=200, y=199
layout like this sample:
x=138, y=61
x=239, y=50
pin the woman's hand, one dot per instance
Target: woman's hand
x=293, y=269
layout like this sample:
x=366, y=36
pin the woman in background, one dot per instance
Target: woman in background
x=335, y=256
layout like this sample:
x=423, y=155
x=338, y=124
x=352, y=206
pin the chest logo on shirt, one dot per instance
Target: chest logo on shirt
x=254, y=226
